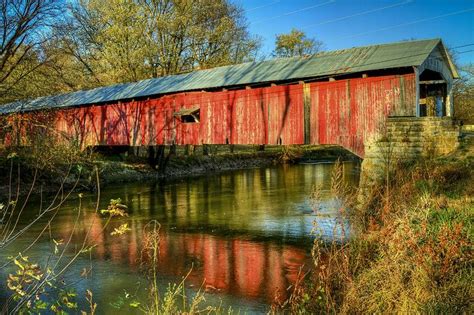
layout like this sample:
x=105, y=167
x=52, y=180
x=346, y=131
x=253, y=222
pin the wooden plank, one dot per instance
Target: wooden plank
x=417, y=85
x=433, y=82
x=307, y=113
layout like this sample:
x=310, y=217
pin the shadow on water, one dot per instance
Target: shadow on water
x=245, y=233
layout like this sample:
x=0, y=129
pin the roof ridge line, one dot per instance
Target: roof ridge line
x=361, y=58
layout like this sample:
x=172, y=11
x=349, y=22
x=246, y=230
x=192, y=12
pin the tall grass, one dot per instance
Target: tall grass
x=420, y=238
x=410, y=249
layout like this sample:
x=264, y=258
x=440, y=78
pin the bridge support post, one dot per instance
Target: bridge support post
x=205, y=149
x=156, y=157
x=173, y=149
x=189, y=149
x=151, y=156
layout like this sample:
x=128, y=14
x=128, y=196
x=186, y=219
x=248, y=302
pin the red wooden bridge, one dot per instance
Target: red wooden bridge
x=341, y=97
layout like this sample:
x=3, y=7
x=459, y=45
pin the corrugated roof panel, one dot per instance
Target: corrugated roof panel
x=403, y=54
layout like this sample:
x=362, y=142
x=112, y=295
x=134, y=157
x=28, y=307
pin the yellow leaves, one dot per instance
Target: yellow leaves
x=31, y=285
x=26, y=274
x=115, y=209
x=12, y=155
x=16, y=262
x=60, y=242
x=57, y=244
x=120, y=30
x=295, y=43
x=22, y=261
x=122, y=229
x=114, y=212
x=135, y=39
x=13, y=283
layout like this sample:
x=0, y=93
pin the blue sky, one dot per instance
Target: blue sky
x=345, y=23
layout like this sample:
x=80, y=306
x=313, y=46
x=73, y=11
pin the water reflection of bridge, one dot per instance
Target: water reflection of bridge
x=236, y=266
x=245, y=233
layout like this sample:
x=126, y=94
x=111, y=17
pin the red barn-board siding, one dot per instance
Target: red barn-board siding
x=351, y=111
x=345, y=112
x=285, y=115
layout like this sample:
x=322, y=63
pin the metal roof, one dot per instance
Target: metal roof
x=358, y=59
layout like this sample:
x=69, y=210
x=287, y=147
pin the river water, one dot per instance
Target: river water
x=243, y=236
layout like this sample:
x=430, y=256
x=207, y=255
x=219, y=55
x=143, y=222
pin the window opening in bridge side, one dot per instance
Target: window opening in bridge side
x=188, y=115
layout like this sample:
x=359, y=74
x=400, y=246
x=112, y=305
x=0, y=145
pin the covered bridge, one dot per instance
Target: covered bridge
x=338, y=97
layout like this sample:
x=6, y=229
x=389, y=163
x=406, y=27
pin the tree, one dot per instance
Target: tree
x=201, y=35
x=108, y=39
x=463, y=91
x=296, y=44
x=25, y=28
x=99, y=43
x=129, y=40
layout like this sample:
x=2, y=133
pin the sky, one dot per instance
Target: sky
x=349, y=23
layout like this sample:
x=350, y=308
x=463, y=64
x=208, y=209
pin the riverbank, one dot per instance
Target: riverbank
x=117, y=168
x=411, y=250
x=180, y=166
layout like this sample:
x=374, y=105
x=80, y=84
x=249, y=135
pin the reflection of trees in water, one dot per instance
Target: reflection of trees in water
x=211, y=224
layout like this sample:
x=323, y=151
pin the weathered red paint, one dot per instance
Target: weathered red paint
x=351, y=111
x=345, y=112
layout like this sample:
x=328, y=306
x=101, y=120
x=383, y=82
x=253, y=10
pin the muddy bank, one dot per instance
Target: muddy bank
x=196, y=165
x=116, y=169
x=115, y=172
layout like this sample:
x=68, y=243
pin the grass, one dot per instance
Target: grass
x=411, y=251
